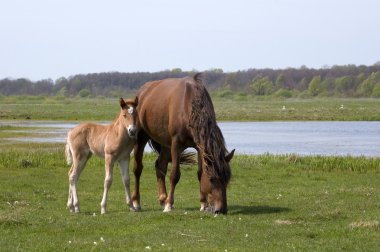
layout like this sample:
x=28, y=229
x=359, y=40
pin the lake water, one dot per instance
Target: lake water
x=303, y=138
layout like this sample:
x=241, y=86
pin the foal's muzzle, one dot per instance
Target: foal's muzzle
x=132, y=131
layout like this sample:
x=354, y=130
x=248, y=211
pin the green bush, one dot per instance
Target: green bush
x=84, y=93
x=376, y=91
x=283, y=93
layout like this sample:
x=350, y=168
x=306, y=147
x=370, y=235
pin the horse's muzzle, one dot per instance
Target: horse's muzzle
x=222, y=211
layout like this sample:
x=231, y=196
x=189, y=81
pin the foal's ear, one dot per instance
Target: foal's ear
x=122, y=103
x=136, y=101
x=229, y=156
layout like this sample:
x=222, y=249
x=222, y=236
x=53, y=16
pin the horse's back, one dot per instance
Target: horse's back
x=165, y=108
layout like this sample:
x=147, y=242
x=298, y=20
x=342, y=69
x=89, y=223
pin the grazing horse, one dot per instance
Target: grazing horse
x=175, y=114
x=113, y=143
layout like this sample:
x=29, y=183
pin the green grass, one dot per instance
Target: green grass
x=227, y=109
x=298, y=110
x=276, y=203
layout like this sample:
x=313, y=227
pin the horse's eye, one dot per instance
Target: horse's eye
x=125, y=115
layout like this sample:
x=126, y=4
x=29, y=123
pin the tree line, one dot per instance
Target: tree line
x=336, y=81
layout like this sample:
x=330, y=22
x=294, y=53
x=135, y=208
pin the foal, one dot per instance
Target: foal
x=112, y=142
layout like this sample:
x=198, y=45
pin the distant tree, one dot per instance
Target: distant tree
x=315, y=87
x=360, y=78
x=280, y=81
x=328, y=86
x=216, y=70
x=366, y=87
x=231, y=82
x=303, y=84
x=262, y=86
x=63, y=92
x=176, y=70
x=345, y=85
x=376, y=91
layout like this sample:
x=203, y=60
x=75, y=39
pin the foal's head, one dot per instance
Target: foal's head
x=129, y=116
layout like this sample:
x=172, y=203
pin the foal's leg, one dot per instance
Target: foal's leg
x=138, y=152
x=202, y=196
x=79, y=162
x=161, y=169
x=124, y=170
x=109, y=162
x=174, y=176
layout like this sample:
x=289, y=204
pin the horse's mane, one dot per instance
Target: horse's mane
x=207, y=135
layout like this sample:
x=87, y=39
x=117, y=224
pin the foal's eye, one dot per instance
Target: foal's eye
x=125, y=115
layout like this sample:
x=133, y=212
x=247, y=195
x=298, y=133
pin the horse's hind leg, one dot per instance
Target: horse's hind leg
x=161, y=169
x=109, y=162
x=124, y=170
x=79, y=162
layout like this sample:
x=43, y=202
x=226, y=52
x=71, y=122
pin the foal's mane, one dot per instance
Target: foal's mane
x=207, y=135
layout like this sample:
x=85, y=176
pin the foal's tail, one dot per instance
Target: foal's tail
x=68, y=153
x=186, y=158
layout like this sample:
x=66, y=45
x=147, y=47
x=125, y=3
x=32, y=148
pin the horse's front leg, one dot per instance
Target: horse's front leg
x=174, y=176
x=109, y=162
x=124, y=170
x=202, y=196
x=138, y=152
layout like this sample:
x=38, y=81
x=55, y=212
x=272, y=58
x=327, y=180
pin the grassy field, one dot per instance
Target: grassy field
x=276, y=203
x=231, y=109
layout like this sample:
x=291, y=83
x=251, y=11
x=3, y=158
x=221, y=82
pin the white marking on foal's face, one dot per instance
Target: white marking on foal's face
x=130, y=110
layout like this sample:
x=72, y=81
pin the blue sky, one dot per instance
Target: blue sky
x=50, y=39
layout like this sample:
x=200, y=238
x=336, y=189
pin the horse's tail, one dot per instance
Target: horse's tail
x=186, y=158
x=68, y=153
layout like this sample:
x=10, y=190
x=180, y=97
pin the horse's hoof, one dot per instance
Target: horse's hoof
x=132, y=209
x=168, y=208
x=136, y=206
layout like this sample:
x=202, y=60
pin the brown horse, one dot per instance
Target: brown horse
x=113, y=143
x=175, y=114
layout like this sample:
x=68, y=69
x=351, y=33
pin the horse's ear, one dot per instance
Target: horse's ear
x=229, y=156
x=122, y=103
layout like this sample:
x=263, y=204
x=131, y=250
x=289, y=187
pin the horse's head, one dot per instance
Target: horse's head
x=215, y=187
x=129, y=114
